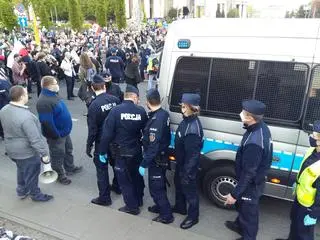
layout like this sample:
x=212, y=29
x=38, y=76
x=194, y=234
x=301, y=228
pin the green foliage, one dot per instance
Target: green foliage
x=233, y=13
x=172, y=14
x=101, y=12
x=75, y=15
x=301, y=13
x=144, y=20
x=120, y=13
x=7, y=16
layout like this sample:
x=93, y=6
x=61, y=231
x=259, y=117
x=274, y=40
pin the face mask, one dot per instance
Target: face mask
x=242, y=116
x=56, y=88
x=313, y=142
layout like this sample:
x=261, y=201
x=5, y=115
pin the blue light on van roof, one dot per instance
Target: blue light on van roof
x=184, y=43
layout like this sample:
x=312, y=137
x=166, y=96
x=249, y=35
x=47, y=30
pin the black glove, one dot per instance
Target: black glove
x=88, y=151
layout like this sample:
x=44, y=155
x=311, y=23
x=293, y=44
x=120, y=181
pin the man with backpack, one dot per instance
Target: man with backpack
x=153, y=67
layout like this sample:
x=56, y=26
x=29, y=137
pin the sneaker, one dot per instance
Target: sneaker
x=74, y=171
x=23, y=195
x=42, y=198
x=64, y=181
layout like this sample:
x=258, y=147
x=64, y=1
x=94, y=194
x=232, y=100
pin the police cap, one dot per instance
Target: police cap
x=316, y=126
x=113, y=50
x=191, y=98
x=132, y=89
x=254, y=106
x=106, y=76
x=97, y=79
x=153, y=94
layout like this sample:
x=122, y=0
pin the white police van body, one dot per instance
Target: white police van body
x=229, y=60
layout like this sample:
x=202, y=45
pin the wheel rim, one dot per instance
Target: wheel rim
x=221, y=186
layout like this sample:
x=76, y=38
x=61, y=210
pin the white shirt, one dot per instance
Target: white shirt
x=67, y=68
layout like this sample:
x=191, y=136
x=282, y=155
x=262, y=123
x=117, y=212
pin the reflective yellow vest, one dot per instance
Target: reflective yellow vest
x=305, y=192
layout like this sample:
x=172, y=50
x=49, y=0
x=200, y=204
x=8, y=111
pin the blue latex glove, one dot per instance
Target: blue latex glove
x=103, y=158
x=309, y=221
x=142, y=170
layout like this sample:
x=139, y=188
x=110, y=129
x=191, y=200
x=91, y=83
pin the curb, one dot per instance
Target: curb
x=37, y=227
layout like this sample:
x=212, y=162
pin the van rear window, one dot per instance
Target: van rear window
x=224, y=83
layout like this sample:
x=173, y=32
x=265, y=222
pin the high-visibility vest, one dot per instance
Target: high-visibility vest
x=305, y=191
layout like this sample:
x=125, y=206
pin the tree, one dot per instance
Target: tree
x=301, y=13
x=287, y=14
x=233, y=13
x=7, y=16
x=172, y=14
x=218, y=13
x=101, y=12
x=120, y=14
x=75, y=15
x=223, y=15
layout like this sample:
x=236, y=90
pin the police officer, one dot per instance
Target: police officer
x=115, y=65
x=156, y=140
x=123, y=128
x=112, y=88
x=306, y=206
x=188, y=144
x=97, y=113
x=253, y=160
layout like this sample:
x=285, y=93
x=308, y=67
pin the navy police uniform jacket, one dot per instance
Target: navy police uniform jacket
x=253, y=160
x=5, y=86
x=97, y=113
x=188, y=145
x=123, y=127
x=115, y=66
x=156, y=136
x=54, y=116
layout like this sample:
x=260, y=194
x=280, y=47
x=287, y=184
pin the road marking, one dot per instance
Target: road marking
x=75, y=120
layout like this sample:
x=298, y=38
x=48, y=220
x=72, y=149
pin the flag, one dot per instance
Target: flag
x=35, y=28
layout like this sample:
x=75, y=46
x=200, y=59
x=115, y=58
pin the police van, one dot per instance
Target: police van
x=229, y=60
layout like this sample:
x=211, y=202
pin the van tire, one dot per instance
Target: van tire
x=217, y=183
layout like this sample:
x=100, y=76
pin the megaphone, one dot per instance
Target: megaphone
x=48, y=175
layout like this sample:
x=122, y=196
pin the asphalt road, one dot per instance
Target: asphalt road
x=274, y=217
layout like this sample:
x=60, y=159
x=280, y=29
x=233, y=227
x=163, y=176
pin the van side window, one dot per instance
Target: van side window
x=313, y=107
x=281, y=86
x=231, y=82
x=224, y=83
x=191, y=75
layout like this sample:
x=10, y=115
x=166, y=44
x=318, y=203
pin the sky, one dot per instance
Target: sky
x=288, y=4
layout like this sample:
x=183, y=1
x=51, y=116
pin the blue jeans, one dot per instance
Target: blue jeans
x=28, y=171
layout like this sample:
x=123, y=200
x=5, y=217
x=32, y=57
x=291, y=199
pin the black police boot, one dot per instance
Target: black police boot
x=115, y=189
x=180, y=211
x=100, y=202
x=162, y=220
x=154, y=209
x=188, y=223
x=125, y=209
x=233, y=226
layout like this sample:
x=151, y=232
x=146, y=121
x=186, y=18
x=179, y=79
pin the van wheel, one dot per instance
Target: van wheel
x=218, y=183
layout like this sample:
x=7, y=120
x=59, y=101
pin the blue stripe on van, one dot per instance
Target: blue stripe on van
x=286, y=158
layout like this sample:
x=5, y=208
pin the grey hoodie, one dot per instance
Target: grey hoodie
x=22, y=133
